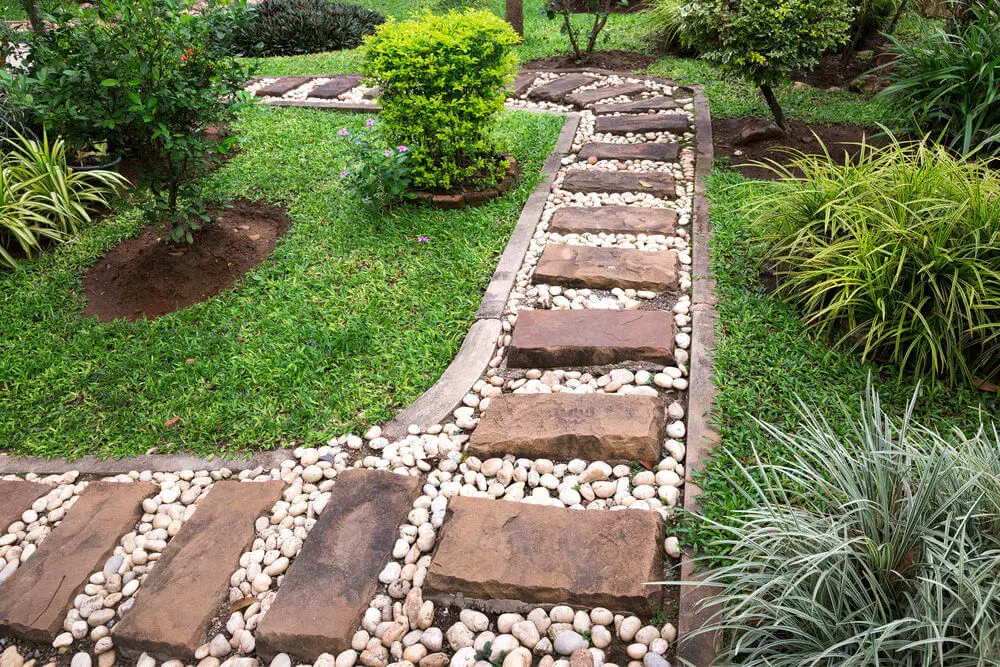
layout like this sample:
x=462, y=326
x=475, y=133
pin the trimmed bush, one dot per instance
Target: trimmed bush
x=443, y=80
x=293, y=27
x=896, y=256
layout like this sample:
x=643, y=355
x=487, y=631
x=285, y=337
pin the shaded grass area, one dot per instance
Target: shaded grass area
x=350, y=318
x=766, y=366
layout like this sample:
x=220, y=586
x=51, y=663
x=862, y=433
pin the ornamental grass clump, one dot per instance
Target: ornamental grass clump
x=876, y=548
x=895, y=255
x=442, y=80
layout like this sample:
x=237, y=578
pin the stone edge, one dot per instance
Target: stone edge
x=433, y=406
x=702, y=437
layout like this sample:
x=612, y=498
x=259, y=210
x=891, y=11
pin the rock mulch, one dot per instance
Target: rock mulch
x=499, y=535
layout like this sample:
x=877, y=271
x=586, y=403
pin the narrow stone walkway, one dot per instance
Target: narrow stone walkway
x=529, y=528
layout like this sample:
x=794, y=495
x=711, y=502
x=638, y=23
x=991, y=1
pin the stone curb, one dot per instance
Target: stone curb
x=699, y=650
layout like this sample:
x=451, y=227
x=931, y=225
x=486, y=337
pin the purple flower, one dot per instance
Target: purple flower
x=370, y=122
x=423, y=239
x=345, y=174
x=342, y=132
x=387, y=153
x=402, y=149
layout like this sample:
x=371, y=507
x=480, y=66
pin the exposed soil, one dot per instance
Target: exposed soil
x=146, y=276
x=618, y=61
x=840, y=140
x=833, y=72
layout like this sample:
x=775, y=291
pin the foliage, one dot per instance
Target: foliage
x=870, y=16
x=378, y=174
x=41, y=199
x=443, y=80
x=896, y=256
x=948, y=83
x=601, y=11
x=763, y=41
x=290, y=27
x=876, y=548
x=14, y=116
x=665, y=26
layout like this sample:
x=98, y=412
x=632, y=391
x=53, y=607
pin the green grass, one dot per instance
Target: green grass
x=765, y=364
x=349, y=320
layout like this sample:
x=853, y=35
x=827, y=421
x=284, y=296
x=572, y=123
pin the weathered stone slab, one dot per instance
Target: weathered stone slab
x=523, y=83
x=650, y=105
x=593, y=427
x=556, y=90
x=15, y=498
x=614, y=220
x=585, y=97
x=559, y=338
x=654, y=122
x=495, y=550
x=182, y=595
x=660, y=152
x=657, y=184
x=328, y=587
x=607, y=268
x=336, y=86
x=34, y=601
x=283, y=85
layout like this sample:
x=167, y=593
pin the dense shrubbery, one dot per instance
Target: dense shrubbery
x=443, y=80
x=896, y=256
x=879, y=548
x=291, y=27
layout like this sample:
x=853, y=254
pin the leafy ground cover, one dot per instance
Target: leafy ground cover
x=352, y=317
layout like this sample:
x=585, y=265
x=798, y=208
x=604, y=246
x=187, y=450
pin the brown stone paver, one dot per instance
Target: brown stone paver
x=496, y=550
x=556, y=90
x=563, y=426
x=591, y=337
x=336, y=86
x=182, y=595
x=660, y=152
x=283, y=85
x=657, y=184
x=585, y=97
x=15, y=498
x=654, y=122
x=328, y=587
x=638, y=106
x=34, y=601
x=523, y=83
x=614, y=220
x=607, y=268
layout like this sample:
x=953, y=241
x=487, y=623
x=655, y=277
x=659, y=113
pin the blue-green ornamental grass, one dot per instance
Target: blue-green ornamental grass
x=351, y=318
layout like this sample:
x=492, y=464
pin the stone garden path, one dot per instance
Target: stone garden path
x=527, y=529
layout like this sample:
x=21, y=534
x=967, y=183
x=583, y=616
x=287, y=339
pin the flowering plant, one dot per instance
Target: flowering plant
x=378, y=175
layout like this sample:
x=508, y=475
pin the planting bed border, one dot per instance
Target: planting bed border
x=473, y=198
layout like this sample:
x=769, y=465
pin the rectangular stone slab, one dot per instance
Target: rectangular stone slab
x=34, y=601
x=657, y=184
x=654, y=122
x=336, y=86
x=15, y=498
x=585, y=97
x=659, y=152
x=498, y=550
x=284, y=84
x=607, y=268
x=638, y=106
x=327, y=589
x=614, y=220
x=555, y=90
x=185, y=591
x=592, y=427
x=523, y=83
x=591, y=337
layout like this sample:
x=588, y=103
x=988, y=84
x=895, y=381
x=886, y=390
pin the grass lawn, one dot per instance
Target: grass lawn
x=349, y=320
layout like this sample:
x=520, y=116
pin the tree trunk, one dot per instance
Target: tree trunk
x=896, y=17
x=772, y=103
x=514, y=13
x=34, y=14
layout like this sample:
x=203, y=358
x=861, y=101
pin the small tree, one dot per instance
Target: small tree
x=584, y=43
x=763, y=41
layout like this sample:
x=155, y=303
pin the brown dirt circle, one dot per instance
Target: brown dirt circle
x=146, y=277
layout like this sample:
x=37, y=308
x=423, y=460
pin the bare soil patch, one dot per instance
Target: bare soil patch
x=615, y=60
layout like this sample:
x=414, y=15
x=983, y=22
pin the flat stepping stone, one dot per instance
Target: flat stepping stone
x=183, y=594
x=329, y=585
x=336, y=87
x=556, y=90
x=592, y=427
x=656, y=183
x=591, y=337
x=585, y=97
x=638, y=106
x=15, y=498
x=659, y=152
x=34, y=601
x=614, y=220
x=283, y=85
x=607, y=268
x=523, y=83
x=495, y=550
x=653, y=122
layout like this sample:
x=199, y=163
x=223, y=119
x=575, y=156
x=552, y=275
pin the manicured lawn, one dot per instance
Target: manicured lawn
x=349, y=320
x=766, y=366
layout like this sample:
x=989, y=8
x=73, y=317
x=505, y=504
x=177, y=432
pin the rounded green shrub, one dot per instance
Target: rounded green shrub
x=442, y=80
x=293, y=27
